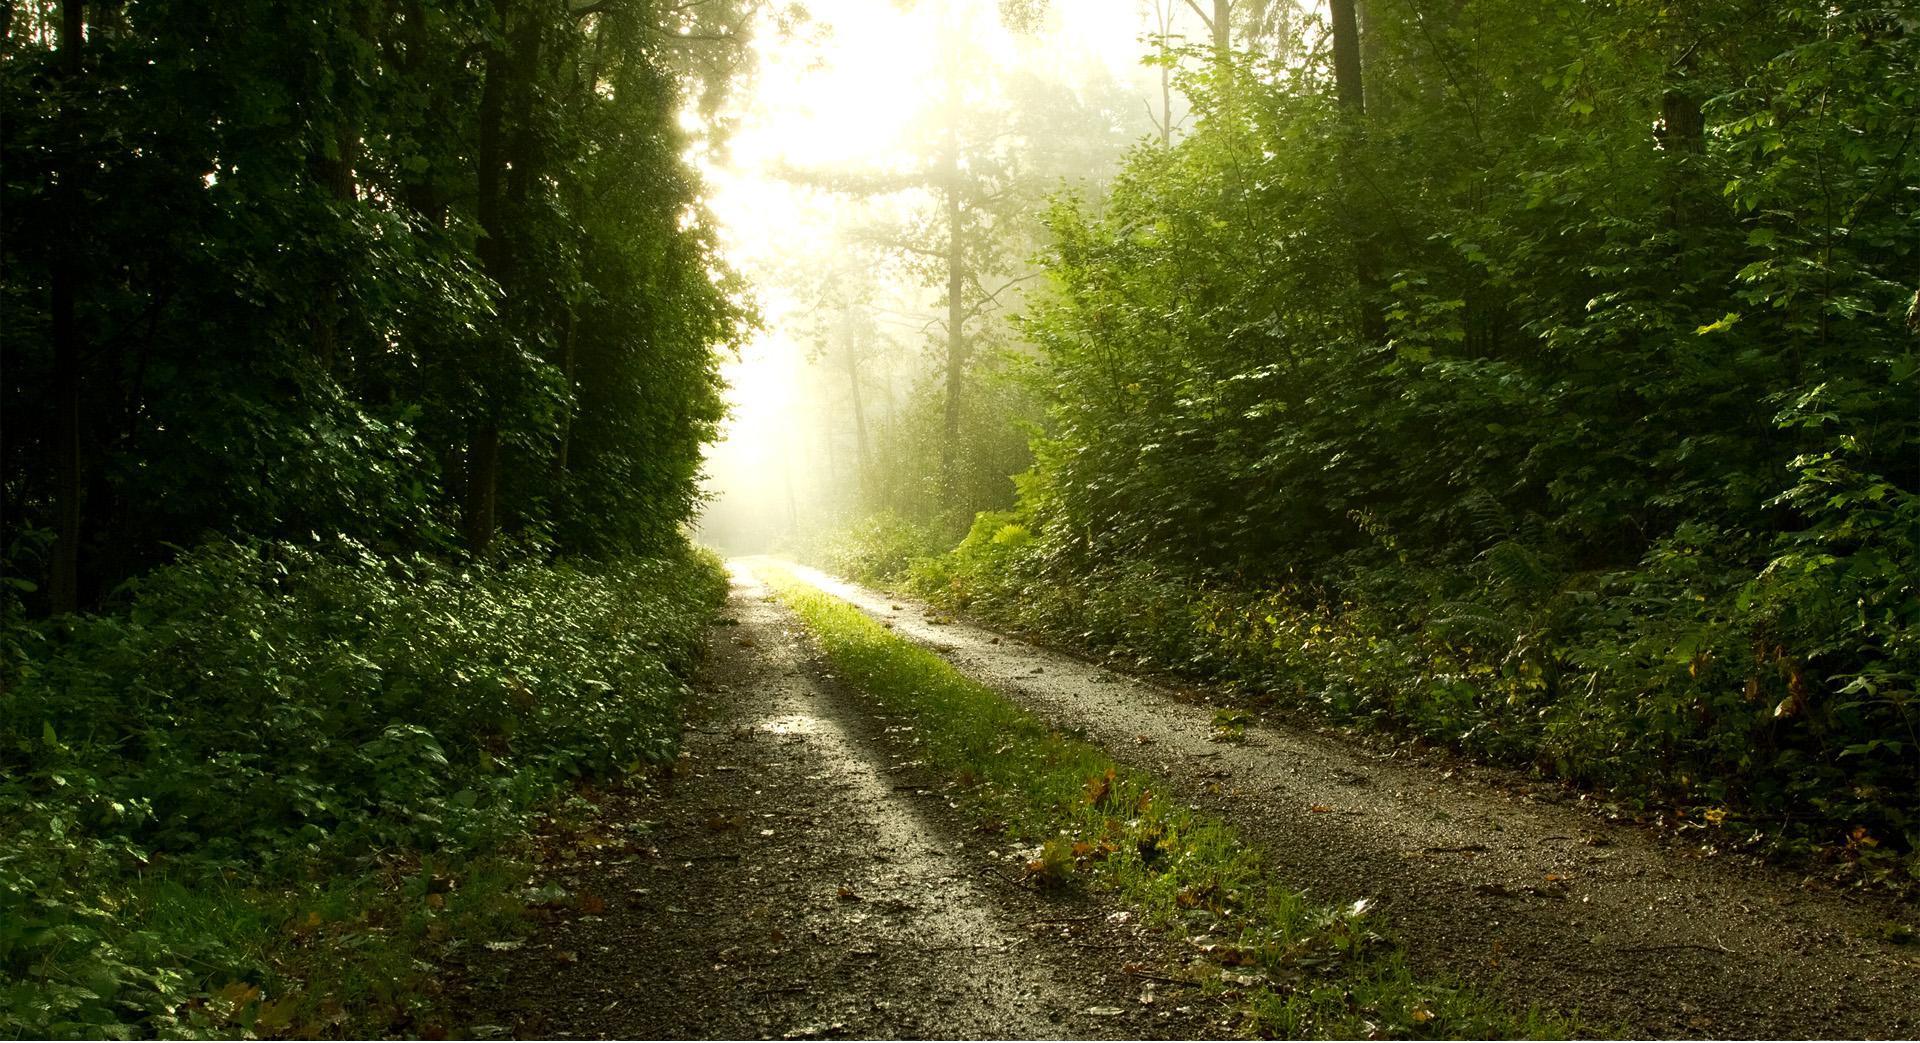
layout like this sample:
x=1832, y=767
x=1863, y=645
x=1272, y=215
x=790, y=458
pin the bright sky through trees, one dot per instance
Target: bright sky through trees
x=841, y=93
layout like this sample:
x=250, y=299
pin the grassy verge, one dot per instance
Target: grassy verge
x=1711, y=724
x=264, y=795
x=1302, y=969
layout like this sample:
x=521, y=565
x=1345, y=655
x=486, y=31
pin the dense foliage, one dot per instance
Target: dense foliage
x=1559, y=401
x=415, y=271
x=405, y=314
x=202, y=795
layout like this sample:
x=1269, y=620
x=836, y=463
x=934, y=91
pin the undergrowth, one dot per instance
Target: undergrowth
x=1675, y=696
x=262, y=794
x=1299, y=967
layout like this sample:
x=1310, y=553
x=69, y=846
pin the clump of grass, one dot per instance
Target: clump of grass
x=1300, y=968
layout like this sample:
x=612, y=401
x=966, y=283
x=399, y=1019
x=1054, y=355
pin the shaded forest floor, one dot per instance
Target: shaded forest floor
x=800, y=873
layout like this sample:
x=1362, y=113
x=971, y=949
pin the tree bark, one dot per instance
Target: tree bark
x=1350, y=93
x=956, y=339
x=862, y=462
x=63, y=586
x=572, y=404
x=338, y=177
x=1683, y=126
x=483, y=483
x=1367, y=23
x=1347, y=87
x=507, y=72
x=956, y=285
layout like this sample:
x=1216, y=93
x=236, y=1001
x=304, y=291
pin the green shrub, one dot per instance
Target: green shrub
x=1681, y=683
x=261, y=717
x=883, y=548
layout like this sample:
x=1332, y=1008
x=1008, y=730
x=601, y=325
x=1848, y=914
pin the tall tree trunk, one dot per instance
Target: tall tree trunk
x=338, y=177
x=956, y=285
x=483, y=483
x=1350, y=92
x=862, y=462
x=1683, y=126
x=572, y=404
x=1166, y=105
x=63, y=586
x=483, y=450
x=1366, y=18
x=956, y=339
x=1347, y=87
x=1163, y=24
x=505, y=180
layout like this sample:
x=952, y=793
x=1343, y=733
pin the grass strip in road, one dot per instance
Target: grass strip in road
x=1300, y=968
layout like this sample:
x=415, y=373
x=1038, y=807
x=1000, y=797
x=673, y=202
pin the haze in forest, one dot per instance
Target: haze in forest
x=829, y=190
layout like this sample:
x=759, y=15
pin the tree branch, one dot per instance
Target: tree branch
x=1204, y=16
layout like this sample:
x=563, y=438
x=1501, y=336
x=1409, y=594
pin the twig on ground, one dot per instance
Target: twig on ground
x=1717, y=946
x=1133, y=972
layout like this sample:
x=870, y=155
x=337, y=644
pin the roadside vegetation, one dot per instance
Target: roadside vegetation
x=1536, y=380
x=358, y=361
x=1298, y=968
x=280, y=782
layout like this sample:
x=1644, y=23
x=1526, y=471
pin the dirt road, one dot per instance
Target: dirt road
x=1540, y=900
x=799, y=876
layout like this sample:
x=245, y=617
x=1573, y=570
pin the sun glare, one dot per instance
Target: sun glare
x=844, y=96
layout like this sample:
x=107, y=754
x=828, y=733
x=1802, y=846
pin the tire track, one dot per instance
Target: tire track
x=1541, y=903
x=792, y=884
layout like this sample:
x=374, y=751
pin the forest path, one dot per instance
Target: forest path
x=1482, y=873
x=799, y=876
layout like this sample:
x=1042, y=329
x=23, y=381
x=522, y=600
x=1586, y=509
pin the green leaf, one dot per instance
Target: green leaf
x=1724, y=323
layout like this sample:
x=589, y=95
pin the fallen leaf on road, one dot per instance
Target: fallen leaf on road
x=276, y=1016
x=1099, y=787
